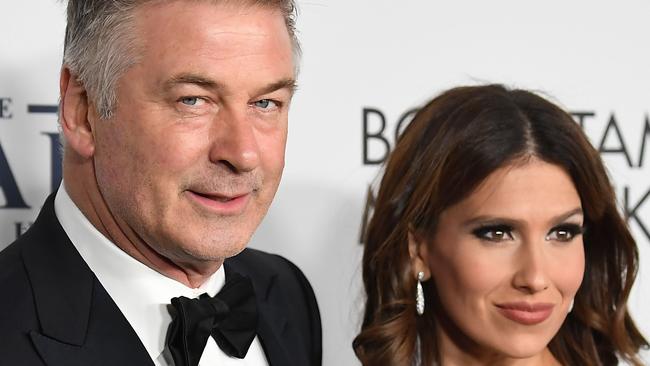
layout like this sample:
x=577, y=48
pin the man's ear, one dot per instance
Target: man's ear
x=419, y=253
x=74, y=115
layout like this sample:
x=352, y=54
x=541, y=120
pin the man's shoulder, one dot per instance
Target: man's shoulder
x=43, y=231
x=15, y=280
x=262, y=261
x=12, y=269
x=12, y=275
x=14, y=259
x=266, y=269
x=259, y=263
x=280, y=283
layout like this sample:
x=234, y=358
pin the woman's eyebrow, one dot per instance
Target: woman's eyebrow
x=566, y=215
x=502, y=220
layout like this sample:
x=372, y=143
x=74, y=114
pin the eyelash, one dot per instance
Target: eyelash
x=572, y=230
x=277, y=103
x=187, y=97
x=483, y=231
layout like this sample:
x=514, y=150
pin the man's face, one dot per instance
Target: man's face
x=193, y=154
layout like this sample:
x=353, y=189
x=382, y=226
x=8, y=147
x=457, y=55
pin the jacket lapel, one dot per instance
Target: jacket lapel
x=62, y=286
x=80, y=324
x=273, y=327
x=56, y=353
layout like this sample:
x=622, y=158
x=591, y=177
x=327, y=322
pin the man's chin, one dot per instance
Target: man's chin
x=213, y=252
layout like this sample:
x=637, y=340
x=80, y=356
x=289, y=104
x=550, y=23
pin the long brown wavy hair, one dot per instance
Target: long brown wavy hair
x=454, y=143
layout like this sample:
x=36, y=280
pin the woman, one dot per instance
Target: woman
x=496, y=239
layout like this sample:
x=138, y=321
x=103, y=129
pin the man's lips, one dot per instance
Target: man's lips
x=223, y=204
x=526, y=313
x=218, y=196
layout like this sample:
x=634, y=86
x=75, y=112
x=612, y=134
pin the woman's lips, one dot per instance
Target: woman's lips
x=526, y=313
x=227, y=205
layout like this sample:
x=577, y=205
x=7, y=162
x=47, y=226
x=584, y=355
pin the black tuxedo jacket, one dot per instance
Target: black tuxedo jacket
x=54, y=311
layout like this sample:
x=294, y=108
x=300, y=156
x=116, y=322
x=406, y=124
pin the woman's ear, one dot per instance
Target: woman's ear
x=74, y=115
x=419, y=253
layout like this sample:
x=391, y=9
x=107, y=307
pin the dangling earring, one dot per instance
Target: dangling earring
x=571, y=306
x=419, y=298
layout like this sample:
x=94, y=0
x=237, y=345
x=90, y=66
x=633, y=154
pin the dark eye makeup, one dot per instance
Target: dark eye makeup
x=494, y=232
x=565, y=232
x=500, y=232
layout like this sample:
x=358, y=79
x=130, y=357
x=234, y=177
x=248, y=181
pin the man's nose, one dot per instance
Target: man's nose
x=235, y=142
x=531, y=269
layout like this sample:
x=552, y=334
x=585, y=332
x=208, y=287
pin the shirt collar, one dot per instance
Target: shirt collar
x=141, y=293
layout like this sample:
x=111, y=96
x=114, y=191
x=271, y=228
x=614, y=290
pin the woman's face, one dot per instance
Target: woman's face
x=507, y=261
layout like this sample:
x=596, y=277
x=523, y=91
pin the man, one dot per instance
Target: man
x=174, y=117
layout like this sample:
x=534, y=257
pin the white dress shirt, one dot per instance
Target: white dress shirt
x=141, y=293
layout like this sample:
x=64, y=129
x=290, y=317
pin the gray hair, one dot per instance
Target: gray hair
x=100, y=45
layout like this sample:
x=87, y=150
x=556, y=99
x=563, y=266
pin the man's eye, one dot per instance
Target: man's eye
x=564, y=233
x=494, y=233
x=265, y=104
x=191, y=101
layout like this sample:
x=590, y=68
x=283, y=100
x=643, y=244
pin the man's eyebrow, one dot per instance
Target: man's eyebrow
x=195, y=79
x=207, y=83
x=287, y=83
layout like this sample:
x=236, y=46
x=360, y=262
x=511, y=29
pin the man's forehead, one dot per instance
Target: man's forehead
x=227, y=18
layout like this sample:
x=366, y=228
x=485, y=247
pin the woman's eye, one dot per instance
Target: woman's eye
x=265, y=103
x=564, y=233
x=494, y=233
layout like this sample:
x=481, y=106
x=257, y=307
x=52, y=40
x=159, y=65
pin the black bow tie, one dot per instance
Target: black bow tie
x=230, y=317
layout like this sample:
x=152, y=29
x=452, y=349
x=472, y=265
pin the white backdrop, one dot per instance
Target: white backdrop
x=389, y=56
